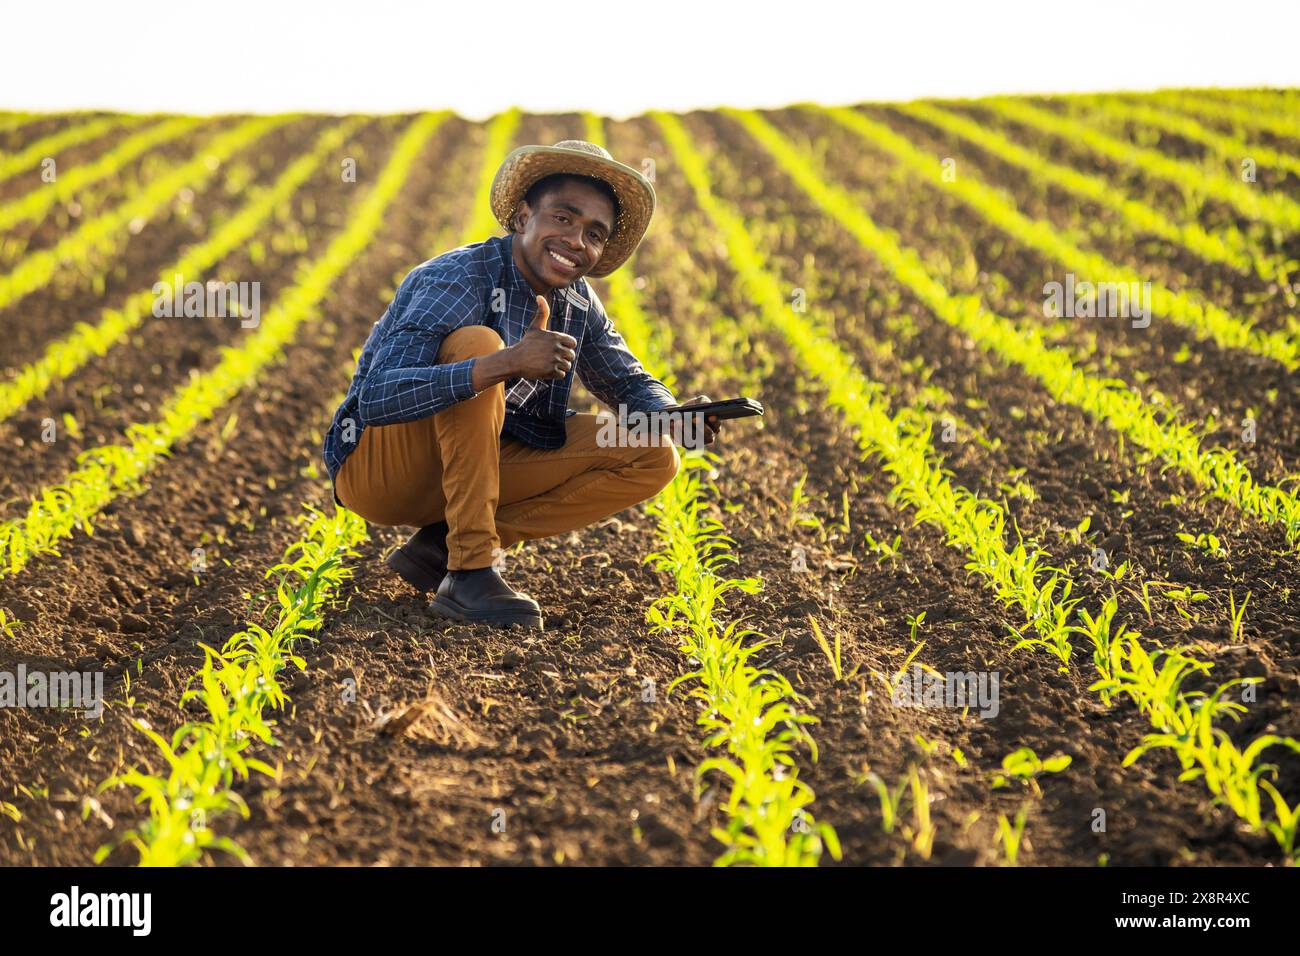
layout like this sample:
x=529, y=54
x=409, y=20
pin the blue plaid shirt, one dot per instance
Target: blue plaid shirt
x=399, y=379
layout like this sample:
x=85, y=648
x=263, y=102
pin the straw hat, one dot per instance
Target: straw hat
x=636, y=197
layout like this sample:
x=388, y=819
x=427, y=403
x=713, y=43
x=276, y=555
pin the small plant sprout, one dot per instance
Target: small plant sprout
x=1285, y=826
x=1010, y=835
x=837, y=667
x=1209, y=543
x=890, y=800
x=915, y=622
x=1238, y=616
x=238, y=689
x=1024, y=766
x=8, y=625
x=926, y=746
x=751, y=714
x=885, y=550
x=796, y=515
x=1079, y=533
x=922, y=830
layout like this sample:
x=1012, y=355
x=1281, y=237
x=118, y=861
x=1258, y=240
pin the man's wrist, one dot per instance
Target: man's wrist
x=491, y=369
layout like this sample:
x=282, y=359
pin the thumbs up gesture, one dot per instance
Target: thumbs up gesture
x=542, y=353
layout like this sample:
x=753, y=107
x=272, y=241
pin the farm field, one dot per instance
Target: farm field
x=960, y=472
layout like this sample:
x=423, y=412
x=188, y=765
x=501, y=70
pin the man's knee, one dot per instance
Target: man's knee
x=663, y=462
x=469, y=341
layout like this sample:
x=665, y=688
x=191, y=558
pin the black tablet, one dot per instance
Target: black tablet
x=731, y=408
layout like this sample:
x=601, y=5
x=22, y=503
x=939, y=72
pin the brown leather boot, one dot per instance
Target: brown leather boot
x=480, y=596
x=422, y=561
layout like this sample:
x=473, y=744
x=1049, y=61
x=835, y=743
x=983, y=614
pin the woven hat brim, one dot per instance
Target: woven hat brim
x=636, y=197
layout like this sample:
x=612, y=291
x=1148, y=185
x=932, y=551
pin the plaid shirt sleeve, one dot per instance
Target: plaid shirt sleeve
x=405, y=382
x=610, y=371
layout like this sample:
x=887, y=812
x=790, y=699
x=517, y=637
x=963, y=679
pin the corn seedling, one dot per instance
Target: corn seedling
x=885, y=550
x=890, y=800
x=1020, y=576
x=922, y=830
x=1238, y=616
x=747, y=711
x=1109, y=400
x=1010, y=835
x=236, y=686
x=837, y=667
x=1025, y=767
x=109, y=470
x=87, y=341
x=1208, y=543
x=8, y=625
x=109, y=231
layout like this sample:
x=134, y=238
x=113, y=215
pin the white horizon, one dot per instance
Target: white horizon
x=388, y=56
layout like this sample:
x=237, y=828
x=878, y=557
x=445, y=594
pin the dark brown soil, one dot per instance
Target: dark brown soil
x=53, y=310
x=96, y=198
x=539, y=748
x=119, y=389
x=16, y=140
x=1206, y=382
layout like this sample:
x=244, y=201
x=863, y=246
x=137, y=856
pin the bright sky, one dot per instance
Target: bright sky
x=620, y=58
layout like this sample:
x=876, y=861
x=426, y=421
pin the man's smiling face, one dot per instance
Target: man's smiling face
x=562, y=239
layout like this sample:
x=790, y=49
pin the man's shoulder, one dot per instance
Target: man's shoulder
x=474, y=264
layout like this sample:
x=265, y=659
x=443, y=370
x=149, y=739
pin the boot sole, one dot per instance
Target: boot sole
x=413, y=573
x=446, y=607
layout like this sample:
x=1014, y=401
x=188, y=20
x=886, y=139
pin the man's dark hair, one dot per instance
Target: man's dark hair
x=547, y=183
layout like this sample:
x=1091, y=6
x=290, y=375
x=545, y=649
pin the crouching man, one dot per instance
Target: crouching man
x=457, y=420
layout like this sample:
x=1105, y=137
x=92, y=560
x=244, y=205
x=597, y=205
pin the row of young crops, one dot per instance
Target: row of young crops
x=767, y=228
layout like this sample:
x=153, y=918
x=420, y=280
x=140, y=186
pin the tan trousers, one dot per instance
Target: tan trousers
x=493, y=493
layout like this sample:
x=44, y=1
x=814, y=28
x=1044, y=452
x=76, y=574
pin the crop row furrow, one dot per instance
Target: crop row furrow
x=749, y=712
x=1188, y=309
x=1183, y=721
x=14, y=121
x=109, y=470
x=1253, y=204
x=1229, y=150
x=68, y=354
x=35, y=204
x=236, y=686
x=47, y=146
x=174, y=834
x=1235, y=113
x=110, y=230
x=1225, y=246
x=1111, y=400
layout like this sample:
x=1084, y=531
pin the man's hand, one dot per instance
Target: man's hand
x=712, y=425
x=542, y=353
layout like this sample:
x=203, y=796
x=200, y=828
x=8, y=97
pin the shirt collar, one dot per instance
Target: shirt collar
x=514, y=277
